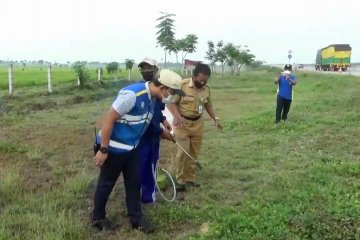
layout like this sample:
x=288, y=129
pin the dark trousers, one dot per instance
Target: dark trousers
x=282, y=108
x=129, y=164
x=149, y=150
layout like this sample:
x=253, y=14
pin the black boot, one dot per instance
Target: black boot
x=104, y=224
x=143, y=225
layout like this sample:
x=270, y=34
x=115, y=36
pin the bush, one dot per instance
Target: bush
x=82, y=72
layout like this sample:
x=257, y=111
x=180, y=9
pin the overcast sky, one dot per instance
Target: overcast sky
x=112, y=30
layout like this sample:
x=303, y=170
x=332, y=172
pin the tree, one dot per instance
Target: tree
x=217, y=53
x=231, y=52
x=211, y=54
x=82, y=72
x=185, y=46
x=129, y=64
x=23, y=63
x=221, y=55
x=245, y=59
x=166, y=33
x=237, y=57
x=228, y=54
x=112, y=67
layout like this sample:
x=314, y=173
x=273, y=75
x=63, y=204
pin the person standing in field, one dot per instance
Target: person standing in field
x=285, y=82
x=118, y=152
x=189, y=123
x=150, y=142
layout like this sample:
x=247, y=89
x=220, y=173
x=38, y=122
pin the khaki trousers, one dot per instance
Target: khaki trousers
x=190, y=138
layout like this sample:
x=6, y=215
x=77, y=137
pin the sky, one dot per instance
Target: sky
x=115, y=30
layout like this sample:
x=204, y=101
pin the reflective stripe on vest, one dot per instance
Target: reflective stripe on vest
x=119, y=145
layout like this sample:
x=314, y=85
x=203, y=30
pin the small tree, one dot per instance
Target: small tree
x=112, y=67
x=185, y=46
x=221, y=55
x=237, y=57
x=23, y=63
x=82, y=72
x=129, y=64
x=211, y=54
x=166, y=33
x=233, y=56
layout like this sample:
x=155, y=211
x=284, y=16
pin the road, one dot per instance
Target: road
x=354, y=71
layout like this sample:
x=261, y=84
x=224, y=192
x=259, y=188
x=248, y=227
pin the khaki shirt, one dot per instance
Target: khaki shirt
x=193, y=104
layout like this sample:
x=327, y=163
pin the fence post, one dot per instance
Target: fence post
x=49, y=79
x=99, y=75
x=11, y=79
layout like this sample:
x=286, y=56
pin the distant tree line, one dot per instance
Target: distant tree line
x=234, y=56
x=227, y=54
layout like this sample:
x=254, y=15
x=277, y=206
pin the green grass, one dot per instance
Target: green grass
x=294, y=180
x=37, y=76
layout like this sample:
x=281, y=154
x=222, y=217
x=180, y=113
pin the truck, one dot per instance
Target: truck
x=335, y=57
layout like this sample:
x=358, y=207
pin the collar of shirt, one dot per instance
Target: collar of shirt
x=147, y=89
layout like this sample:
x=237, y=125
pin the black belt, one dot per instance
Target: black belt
x=191, y=118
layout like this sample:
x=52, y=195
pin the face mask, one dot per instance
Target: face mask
x=287, y=72
x=169, y=99
x=148, y=76
x=198, y=84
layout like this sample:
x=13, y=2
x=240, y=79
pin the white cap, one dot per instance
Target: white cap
x=172, y=80
x=149, y=61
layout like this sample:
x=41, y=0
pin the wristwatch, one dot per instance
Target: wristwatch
x=216, y=118
x=103, y=149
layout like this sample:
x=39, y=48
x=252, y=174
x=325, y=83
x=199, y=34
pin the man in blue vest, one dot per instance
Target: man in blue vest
x=125, y=123
x=149, y=145
x=286, y=81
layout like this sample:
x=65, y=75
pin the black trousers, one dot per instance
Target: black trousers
x=129, y=164
x=282, y=108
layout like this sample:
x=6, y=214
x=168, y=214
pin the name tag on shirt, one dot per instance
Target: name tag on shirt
x=189, y=98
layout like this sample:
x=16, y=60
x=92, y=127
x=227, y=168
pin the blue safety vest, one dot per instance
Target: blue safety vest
x=129, y=128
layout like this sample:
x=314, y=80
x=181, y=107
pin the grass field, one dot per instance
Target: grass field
x=37, y=76
x=294, y=180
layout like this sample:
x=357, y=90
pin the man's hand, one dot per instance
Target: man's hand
x=217, y=124
x=179, y=122
x=167, y=135
x=167, y=125
x=100, y=158
x=173, y=139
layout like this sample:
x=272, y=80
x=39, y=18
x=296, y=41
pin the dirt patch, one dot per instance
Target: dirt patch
x=37, y=175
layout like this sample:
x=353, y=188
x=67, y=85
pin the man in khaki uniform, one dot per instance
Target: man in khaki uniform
x=189, y=123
